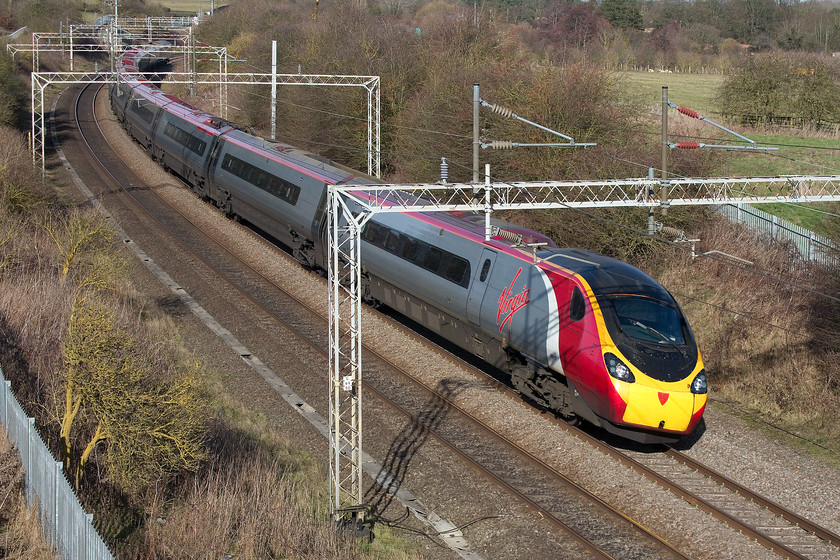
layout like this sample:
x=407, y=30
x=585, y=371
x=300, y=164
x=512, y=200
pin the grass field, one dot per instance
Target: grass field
x=190, y=7
x=695, y=91
x=798, y=151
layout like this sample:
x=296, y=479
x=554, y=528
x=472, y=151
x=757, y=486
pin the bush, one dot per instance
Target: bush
x=783, y=88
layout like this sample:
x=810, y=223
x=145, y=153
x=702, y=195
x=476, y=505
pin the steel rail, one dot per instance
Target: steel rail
x=767, y=503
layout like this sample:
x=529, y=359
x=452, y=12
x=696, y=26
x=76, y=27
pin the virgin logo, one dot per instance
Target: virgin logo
x=510, y=304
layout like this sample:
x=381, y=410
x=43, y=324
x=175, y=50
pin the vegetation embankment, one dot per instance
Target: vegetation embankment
x=69, y=315
x=170, y=464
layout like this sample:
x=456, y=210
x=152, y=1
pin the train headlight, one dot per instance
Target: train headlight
x=618, y=369
x=699, y=385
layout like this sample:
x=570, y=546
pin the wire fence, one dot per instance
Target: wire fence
x=811, y=246
x=67, y=528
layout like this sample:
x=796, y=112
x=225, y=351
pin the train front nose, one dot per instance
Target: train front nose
x=669, y=409
x=640, y=401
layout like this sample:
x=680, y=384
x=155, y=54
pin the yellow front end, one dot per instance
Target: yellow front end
x=659, y=405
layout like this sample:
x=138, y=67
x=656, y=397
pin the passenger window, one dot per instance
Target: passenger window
x=374, y=233
x=577, y=308
x=456, y=269
x=262, y=180
x=391, y=242
x=409, y=251
x=485, y=268
x=432, y=260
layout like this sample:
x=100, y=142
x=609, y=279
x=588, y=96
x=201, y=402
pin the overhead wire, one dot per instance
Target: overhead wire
x=752, y=270
x=351, y=117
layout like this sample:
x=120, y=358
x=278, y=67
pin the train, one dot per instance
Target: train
x=587, y=336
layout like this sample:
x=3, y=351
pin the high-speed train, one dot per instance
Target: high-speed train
x=585, y=335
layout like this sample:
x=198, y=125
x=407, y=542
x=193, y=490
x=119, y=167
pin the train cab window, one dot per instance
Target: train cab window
x=485, y=268
x=577, y=308
x=649, y=321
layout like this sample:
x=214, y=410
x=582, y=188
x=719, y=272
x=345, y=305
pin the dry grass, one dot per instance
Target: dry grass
x=769, y=336
x=258, y=498
x=20, y=531
x=251, y=505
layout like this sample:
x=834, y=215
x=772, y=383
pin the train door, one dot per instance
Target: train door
x=572, y=310
x=479, y=286
x=215, y=187
x=579, y=346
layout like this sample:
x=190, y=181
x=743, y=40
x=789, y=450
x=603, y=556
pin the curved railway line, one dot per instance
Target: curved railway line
x=597, y=529
x=518, y=473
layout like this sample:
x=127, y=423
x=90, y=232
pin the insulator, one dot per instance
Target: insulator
x=672, y=231
x=444, y=170
x=688, y=145
x=499, y=109
x=506, y=234
x=500, y=144
x=688, y=112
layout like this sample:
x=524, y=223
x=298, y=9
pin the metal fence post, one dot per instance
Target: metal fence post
x=7, y=388
x=30, y=426
x=56, y=485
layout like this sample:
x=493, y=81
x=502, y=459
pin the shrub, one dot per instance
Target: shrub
x=783, y=88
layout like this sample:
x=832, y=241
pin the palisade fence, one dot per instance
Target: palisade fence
x=66, y=526
x=811, y=246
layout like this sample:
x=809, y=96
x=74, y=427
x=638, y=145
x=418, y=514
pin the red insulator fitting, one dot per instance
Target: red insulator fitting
x=688, y=112
x=688, y=145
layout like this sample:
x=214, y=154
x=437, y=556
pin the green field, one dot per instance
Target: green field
x=695, y=91
x=799, y=152
x=190, y=7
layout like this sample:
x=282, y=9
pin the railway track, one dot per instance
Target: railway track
x=775, y=527
x=779, y=529
x=594, y=528
x=435, y=415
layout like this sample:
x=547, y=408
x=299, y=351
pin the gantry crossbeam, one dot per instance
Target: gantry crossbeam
x=371, y=84
x=641, y=192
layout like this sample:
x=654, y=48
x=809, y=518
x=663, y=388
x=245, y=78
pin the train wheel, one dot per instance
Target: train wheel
x=572, y=420
x=522, y=378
